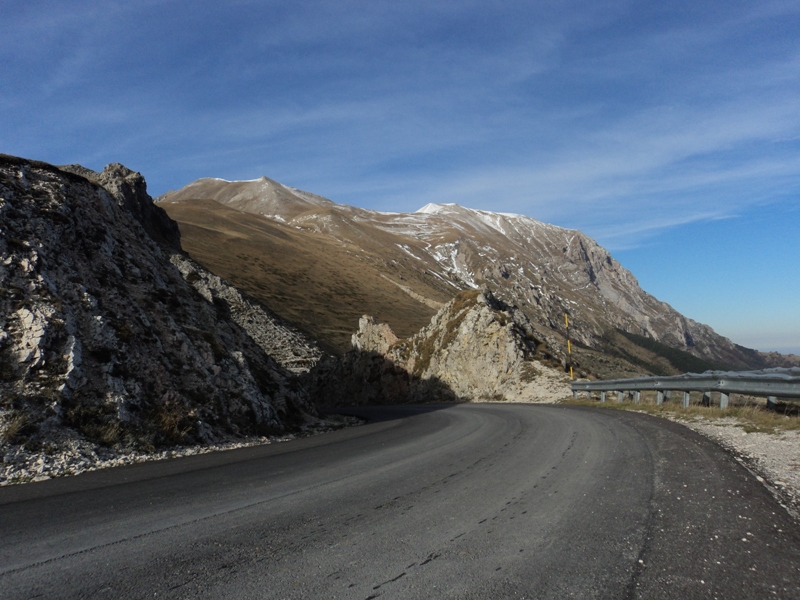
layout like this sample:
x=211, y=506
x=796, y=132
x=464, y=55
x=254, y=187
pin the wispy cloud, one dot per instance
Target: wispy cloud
x=591, y=116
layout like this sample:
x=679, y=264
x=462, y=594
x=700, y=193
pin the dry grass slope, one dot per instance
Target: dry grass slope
x=308, y=279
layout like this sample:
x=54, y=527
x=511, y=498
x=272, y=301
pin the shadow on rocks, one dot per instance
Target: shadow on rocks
x=369, y=378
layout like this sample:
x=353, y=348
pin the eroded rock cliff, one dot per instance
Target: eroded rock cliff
x=101, y=337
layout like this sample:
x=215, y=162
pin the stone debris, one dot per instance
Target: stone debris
x=291, y=349
x=75, y=455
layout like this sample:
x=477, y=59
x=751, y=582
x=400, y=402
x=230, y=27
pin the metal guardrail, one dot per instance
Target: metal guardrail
x=772, y=383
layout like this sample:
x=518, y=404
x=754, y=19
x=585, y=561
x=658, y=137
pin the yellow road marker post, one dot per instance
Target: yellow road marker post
x=569, y=347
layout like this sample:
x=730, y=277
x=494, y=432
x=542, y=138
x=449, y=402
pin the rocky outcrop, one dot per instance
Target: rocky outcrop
x=476, y=348
x=130, y=190
x=102, y=337
x=373, y=336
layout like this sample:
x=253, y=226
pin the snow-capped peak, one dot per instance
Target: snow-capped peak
x=432, y=208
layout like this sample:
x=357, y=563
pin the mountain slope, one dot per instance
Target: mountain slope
x=312, y=280
x=426, y=257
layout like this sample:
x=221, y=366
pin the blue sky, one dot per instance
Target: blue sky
x=669, y=132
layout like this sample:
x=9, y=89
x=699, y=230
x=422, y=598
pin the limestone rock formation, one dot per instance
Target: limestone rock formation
x=373, y=336
x=476, y=348
x=102, y=338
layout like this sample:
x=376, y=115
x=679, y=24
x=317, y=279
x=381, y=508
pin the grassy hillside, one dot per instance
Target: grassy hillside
x=680, y=360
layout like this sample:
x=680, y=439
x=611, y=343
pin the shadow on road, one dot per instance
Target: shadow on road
x=379, y=414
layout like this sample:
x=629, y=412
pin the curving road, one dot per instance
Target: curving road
x=466, y=501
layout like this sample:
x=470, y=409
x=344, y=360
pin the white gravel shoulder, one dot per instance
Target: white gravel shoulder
x=78, y=456
x=774, y=458
x=72, y=455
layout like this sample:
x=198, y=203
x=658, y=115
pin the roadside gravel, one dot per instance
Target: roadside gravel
x=76, y=455
x=774, y=458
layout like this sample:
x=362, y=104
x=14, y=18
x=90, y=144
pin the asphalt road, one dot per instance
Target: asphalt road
x=469, y=501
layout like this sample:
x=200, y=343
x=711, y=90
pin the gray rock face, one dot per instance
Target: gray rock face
x=373, y=336
x=476, y=348
x=103, y=339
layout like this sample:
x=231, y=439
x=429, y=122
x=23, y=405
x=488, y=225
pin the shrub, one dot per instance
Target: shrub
x=20, y=426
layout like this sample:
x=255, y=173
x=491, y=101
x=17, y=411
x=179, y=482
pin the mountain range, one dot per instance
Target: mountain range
x=321, y=265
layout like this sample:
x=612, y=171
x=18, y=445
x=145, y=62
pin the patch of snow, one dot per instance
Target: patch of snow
x=407, y=250
x=447, y=257
x=309, y=197
x=447, y=281
x=491, y=219
x=235, y=180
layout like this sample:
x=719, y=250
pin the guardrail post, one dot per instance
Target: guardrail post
x=706, y=398
x=660, y=397
x=723, y=400
x=686, y=399
x=574, y=394
x=602, y=396
x=637, y=395
x=772, y=402
x=620, y=396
